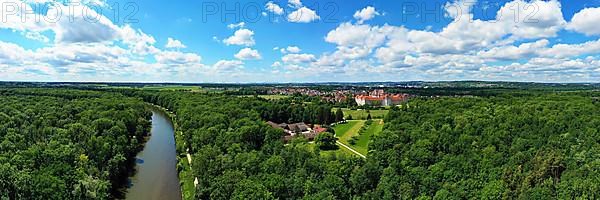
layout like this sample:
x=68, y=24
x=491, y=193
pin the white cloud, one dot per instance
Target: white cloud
x=241, y=37
x=586, y=21
x=274, y=8
x=290, y=49
x=467, y=48
x=138, y=41
x=13, y=53
x=303, y=15
x=535, y=19
x=276, y=64
x=248, y=54
x=88, y=48
x=350, y=35
x=572, y=50
x=81, y=24
x=353, y=52
x=238, y=25
x=174, y=44
x=298, y=58
x=227, y=66
x=295, y=3
x=17, y=21
x=515, y=52
x=459, y=8
x=365, y=14
x=175, y=57
x=462, y=49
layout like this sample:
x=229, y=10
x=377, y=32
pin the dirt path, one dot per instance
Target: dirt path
x=352, y=150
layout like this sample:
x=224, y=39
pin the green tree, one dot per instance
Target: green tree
x=339, y=115
x=326, y=141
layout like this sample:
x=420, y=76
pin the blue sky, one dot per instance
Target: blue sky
x=299, y=40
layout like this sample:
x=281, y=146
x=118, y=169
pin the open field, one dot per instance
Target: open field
x=160, y=87
x=362, y=145
x=362, y=114
x=346, y=131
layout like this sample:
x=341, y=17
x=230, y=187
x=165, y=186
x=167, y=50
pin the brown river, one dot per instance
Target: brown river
x=156, y=176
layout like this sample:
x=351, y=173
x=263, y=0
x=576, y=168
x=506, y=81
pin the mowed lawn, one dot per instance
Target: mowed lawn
x=345, y=132
x=362, y=114
x=362, y=145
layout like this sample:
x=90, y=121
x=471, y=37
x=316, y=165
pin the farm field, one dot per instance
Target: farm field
x=174, y=88
x=160, y=88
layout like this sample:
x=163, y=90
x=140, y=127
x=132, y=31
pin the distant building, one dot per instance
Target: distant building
x=298, y=129
x=380, y=98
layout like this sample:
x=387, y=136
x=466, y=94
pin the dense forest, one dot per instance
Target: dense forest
x=544, y=146
x=510, y=145
x=289, y=111
x=68, y=144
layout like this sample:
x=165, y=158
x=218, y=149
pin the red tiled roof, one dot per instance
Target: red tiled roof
x=319, y=129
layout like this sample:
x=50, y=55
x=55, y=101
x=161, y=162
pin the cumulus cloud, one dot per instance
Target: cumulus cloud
x=290, y=49
x=87, y=46
x=77, y=28
x=303, y=15
x=175, y=57
x=248, y=54
x=524, y=50
x=503, y=48
x=298, y=58
x=572, y=50
x=365, y=14
x=586, y=21
x=276, y=64
x=466, y=47
x=295, y=3
x=174, y=44
x=545, y=22
x=274, y=8
x=350, y=35
x=138, y=41
x=227, y=66
x=459, y=8
x=243, y=37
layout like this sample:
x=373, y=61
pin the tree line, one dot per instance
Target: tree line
x=68, y=144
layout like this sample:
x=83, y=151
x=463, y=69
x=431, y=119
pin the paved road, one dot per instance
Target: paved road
x=353, y=151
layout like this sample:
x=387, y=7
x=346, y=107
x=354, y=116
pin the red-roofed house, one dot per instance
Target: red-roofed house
x=379, y=98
